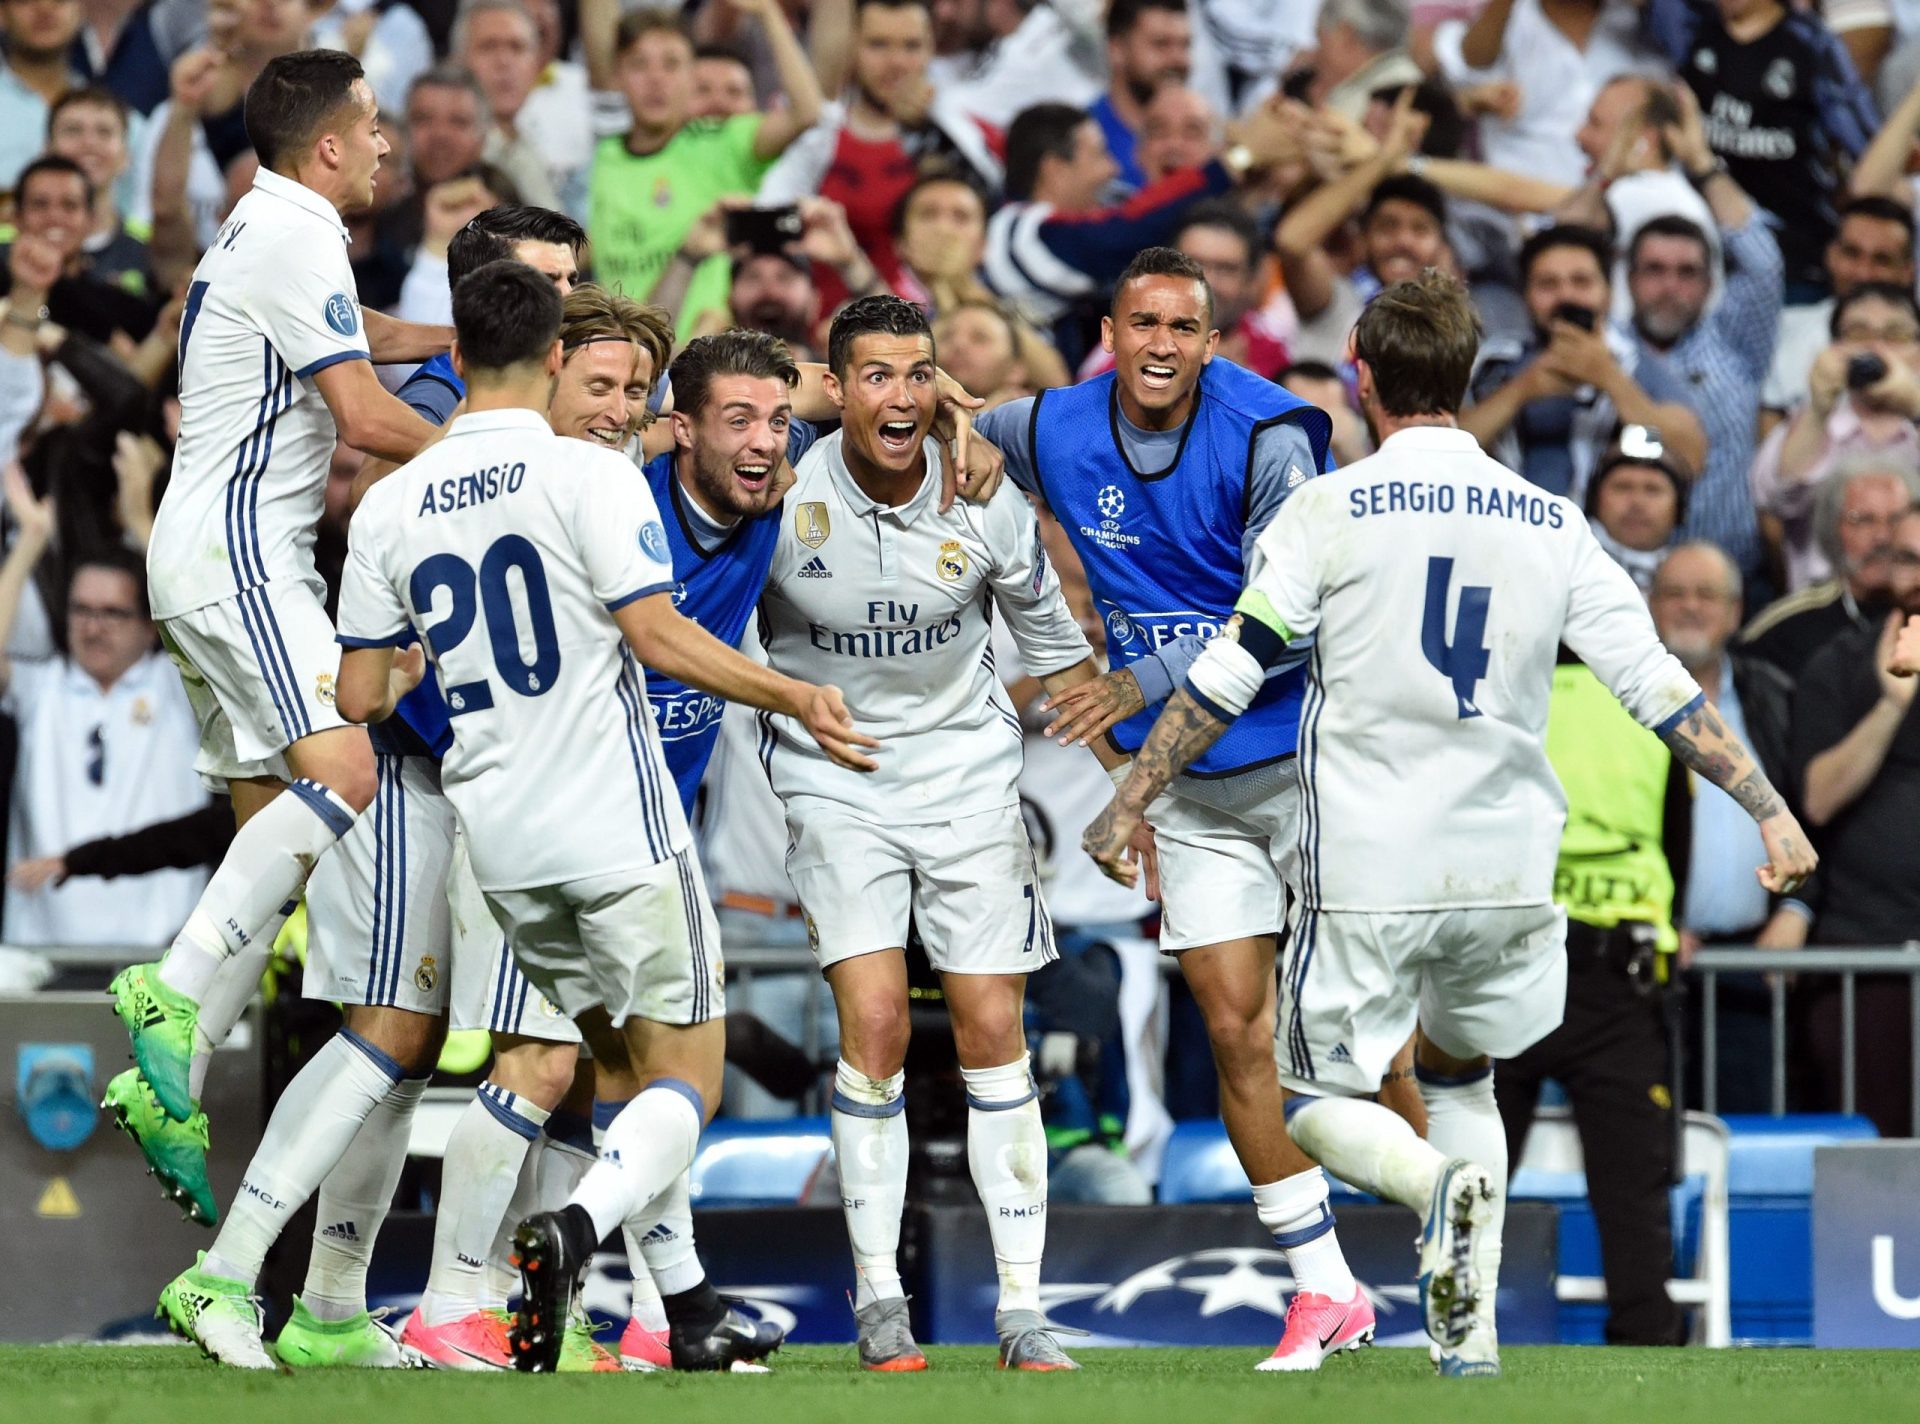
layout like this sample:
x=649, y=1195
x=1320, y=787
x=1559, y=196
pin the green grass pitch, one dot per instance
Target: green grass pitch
x=100, y=1384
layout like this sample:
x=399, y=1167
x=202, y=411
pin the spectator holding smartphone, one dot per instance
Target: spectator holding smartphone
x=1548, y=406
x=1863, y=397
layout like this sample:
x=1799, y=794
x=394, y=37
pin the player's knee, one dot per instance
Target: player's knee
x=539, y=1072
x=411, y=1040
x=1242, y=1041
x=873, y=1038
x=988, y=1036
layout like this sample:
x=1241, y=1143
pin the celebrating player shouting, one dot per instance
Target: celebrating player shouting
x=873, y=586
x=275, y=358
x=534, y=570
x=1439, y=586
x=1163, y=473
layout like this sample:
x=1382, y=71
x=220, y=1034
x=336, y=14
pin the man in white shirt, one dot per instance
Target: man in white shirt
x=275, y=363
x=880, y=590
x=105, y=741
x=573, y=831
x=1441, y=914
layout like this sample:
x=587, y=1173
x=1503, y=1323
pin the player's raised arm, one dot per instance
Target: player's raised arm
x=681, y=649
x=395, y=342
x=369, y=418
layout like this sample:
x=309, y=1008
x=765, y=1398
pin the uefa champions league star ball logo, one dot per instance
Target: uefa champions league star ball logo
x=1112, y=502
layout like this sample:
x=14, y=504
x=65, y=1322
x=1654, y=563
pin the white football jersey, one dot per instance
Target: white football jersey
x=893, y=605
x=506, y=546
x=1439, y=586
x=272, y=302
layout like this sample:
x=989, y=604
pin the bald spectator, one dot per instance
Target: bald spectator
x=1179, y=129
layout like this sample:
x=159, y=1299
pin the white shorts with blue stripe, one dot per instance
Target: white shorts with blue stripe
x=639, y=943
x=489, y=990
x=378, y=930
x=259, y=670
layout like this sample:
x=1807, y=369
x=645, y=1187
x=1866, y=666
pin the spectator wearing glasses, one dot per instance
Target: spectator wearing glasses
x=107, y=744
x=1863, y=396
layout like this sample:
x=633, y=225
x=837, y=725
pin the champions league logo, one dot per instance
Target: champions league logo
x=1112, y=502
x=1173, y=1300
x=1119, y=627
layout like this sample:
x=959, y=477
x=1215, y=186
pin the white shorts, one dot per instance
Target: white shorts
x=1225, y=865
x=259, y=670
x=377, y=925
x=640, y=943
x=969, y=885
x=1490, y=981
x=489, y=990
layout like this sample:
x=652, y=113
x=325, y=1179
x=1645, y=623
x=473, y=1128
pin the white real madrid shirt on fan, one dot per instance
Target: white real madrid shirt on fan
x=893, y=604
x=1438, y=585
x=505, y=547
x=271, y=303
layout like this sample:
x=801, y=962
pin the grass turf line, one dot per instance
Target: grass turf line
x=100, y=1384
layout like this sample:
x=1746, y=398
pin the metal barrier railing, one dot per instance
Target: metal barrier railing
x=1849, y=964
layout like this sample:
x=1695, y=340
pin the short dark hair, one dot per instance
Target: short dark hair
x=1881, y=210
x=1306, y=371
x=883, y=315
x=1406, y=188
x=636, y=25
x=1042, y=131
x=1446, y=125
x=120, y=560
x=504, y=314
x=1668, y=225
x=1162, y=262
x=51, y=163
x=728, y=353
x=1124, y=15
x=1419, y=339
x=96, y=95
x=931, y=175
x=1227, y=216
x=293, y=98
x=1587, y=239
x=863, y=6
x=732, y=54
x=1892, y=293
x=493, y=234
x=448, y=74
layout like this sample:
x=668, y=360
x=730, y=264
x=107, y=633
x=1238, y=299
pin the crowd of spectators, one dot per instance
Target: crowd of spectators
x=1688, y=226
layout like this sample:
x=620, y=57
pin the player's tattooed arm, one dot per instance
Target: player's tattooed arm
x=1183, y=732
x=1704, y=743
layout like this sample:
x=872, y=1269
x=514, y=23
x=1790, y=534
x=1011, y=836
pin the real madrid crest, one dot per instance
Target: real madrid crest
x=426, y=976
x=323, y=688
x=811, y=525
x=951, y=562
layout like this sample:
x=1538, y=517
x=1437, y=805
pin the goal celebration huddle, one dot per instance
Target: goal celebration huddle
x=477, y=776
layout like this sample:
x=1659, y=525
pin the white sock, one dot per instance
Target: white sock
x=1007, y=1152
x=1294, y=1209
x=870, y=1146
x=1463, y=1120
x=650, y=1143
x=667, y=1249
x=1371, y=1146
x=485, y=1155
x=502, y=1279
x=233, y=988
x=646, y=1305
x=312, y=1126
x=353, y=1203
x=266, y=865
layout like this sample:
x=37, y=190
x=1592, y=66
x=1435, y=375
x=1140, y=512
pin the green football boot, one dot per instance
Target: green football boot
x=359, y=1343
x=161, y=1023
x=176, y=1152
x=221, y=1316
x=580, y=1354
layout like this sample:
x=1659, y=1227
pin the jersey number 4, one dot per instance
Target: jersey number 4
x=487, y=591
x=1463, y=661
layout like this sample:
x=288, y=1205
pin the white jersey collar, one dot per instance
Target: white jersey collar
x=275, y=186
x=863, y=504
x=482, y=422
x=1430, y=437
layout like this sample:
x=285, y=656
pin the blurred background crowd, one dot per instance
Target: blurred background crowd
x=1688, y=226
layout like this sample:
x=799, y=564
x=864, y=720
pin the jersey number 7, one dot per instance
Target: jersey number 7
x=487, y=591
x=1463, y=661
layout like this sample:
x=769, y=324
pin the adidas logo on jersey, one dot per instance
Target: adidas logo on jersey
x=341, y=1231
x=815, y=568
x=1340, y=1054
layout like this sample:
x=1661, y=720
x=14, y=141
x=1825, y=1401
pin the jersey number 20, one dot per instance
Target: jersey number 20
x=487, y=592
x=1463, y=660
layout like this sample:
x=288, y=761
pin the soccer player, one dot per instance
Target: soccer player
x=560, y=552
x=275, y=360
x=1163, y=473
x=872, y=585
x=1438, y=586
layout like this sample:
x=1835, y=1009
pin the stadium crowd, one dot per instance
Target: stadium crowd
x=1687, y=225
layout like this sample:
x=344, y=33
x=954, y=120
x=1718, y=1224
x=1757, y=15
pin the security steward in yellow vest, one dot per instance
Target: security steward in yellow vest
x=1623, y=850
